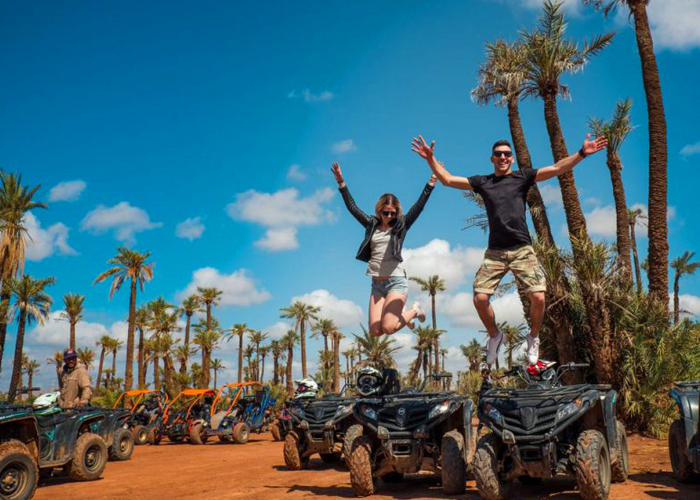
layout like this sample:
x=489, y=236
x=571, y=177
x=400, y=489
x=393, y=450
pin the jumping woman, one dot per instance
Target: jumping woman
x=385, y=232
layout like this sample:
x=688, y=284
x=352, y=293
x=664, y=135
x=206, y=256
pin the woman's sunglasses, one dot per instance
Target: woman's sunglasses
x=387, y=213
x=507, y=154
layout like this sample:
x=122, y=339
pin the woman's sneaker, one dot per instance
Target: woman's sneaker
x=420, y=313
x=533, y=349
x=492, y=347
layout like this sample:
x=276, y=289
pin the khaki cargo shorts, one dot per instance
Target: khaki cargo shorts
x=522, y=261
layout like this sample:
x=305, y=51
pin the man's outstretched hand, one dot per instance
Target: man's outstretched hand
x=593, y=146
x=421, y=147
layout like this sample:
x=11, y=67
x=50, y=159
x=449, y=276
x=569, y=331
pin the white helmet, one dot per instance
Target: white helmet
x=369, y=381
x=47, y=403
x=306, y=388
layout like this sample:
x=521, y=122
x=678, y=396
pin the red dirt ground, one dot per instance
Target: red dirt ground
x=256, y=471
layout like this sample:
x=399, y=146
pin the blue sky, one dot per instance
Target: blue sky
x=204, y=133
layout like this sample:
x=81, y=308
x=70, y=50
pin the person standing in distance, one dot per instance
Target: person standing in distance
x=509, y=249
x=76, y=389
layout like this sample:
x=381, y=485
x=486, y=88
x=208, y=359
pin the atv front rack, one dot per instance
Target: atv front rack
x=567, y=390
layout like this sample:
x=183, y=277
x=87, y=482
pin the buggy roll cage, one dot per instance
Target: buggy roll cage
x=239, y=390
x=140, y=395
x=195, y=394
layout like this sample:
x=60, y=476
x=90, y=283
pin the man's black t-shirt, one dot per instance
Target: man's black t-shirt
x=504, y=198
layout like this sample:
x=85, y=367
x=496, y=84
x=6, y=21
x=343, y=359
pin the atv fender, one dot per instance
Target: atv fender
x=610, y=420
x=467, y=412
x=689, y=408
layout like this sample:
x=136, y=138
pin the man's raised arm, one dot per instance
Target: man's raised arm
x=565, y=164
x=427, y=152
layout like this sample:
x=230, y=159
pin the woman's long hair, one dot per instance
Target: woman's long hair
x=388, y=199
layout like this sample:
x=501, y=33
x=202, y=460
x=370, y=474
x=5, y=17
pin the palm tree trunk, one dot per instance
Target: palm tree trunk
x=17, y=364
x=72, y=335
x=240, y=358
x=658, y=229
x=206, y=367
x=275, y=375
x=621, y=215
x=262, y=370
x=676, y=306
x=183, y=363
x=336, y=364
x=432, y=305
x=141, y=361
x=129, y=372
x=288, y=375
x=114, y=363
x=99, y=369
x=156, y=375
x=436, y=366
x=635, y=255
x=4, y=308
x=302, y=336
x=30, y=384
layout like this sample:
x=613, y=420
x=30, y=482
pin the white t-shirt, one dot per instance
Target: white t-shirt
x=382, y=261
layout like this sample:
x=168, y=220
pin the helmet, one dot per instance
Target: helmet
x=306, y=388
x=369, y=381
x=47, y=404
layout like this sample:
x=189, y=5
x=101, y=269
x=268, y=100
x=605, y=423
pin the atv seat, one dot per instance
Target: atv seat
x=46, y=421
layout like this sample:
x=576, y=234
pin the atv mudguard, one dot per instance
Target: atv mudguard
x=610, y=420
x=688, y=405
x=467, y=412
x=21, y=425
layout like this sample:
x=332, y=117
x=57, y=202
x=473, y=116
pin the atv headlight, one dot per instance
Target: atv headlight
x=493, y=413
x=342, y=411
x=566, y=411
x=439, y=409
x=369, y=412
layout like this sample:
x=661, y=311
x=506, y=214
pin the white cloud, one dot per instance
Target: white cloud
x=190, y=228
x=690, y=149
x=571, y=7
x=454, y=265
x=459, y=309
x=67, y=191
x=122, y=219
x=344, y=146
x=295, y=173
x=689, y=305
x=239, y=288
x=602, y=221
x=278, y=330
x=551, y=194
x=345, y=313
x=310, y=97
x=592, y=200
x=42, y=243
x=674, y=24
x=56, y=332
x=281, y=212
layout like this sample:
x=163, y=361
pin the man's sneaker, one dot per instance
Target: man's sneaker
x=492, y=347
x=420, y=313
x=533, y=349
x=410, y=324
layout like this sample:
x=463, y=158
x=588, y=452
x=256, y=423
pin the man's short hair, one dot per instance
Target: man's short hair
x=502, y=142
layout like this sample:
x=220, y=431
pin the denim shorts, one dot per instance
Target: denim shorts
x=395, y=284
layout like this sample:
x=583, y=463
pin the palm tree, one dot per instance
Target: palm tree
x=238, y=330
x=73, y=312
x=114, y=346
x=323, y=328
x=288, y=342
x=616, y=131
x=15, y=203
x=104, y=344
x=336, y=336
x=378, y=351
x=207, y=340
x=251, y=365
x=257, y=337
x=216, y=366
x=514, y=337
x=31, y=367
x=658, y=157
x=151, y=353
x=32, y=304
x=57, y=362
x=141, y=319
x=163, y=323
x=276, y=349
x=262, y=352
x=473, y=353
x=681, y=265
x=432, y=285
x=209, y=297
x=182, y=355
x=190, y=306
x=301, y=313
x=423, y=343
x=635, y=217
x=87, y=357
x=128, y=264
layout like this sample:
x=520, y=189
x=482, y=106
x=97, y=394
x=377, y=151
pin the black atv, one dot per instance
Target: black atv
x=684, y=436
x=32, y=442
x=547, y=429
x=114, y=430
x=405, y=432
x=317, y=425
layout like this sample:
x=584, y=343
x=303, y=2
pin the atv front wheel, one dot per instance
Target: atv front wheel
x=353, y=432
x=293, y=455
x=454, y=468
x=198, y=434
x=682, y=467
x=486, y=470
x=140, y=435
x=360, y=466
x=122, y=445
x=241, y=433
x=592, y=465
x=89, y=458
x=18, y=471
x=154, y=437
x=619, y=465
x=275, y=430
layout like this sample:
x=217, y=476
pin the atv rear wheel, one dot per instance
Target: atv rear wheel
x=140, y=435
x=592, y=465
x=682, y=467
x=154, y=437
x=198, y=434
x=241, y=433
x=293, y=455
x=330, y=458
x=619, y=465
x=360, y=466
x=275, y=430
x=122, y=445
x=353, y=432
x=454, y=468
x=18, y=471
x=486, y=470
x=89, y=458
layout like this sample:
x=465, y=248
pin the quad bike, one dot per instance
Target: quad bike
x=180, y=415
x=247, y=408
x=32, y=443
x=317, y=425
x=546, y=429
x=405, y=432
x=684, y=436
x=146, y=407
x=282, y=424
x=114, y=430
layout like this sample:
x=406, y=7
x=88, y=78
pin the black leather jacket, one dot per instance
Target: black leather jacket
x=399, y=228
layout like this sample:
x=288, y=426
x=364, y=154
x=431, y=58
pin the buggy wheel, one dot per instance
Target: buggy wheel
x=353, y=432
x=89, y=458
x=241, y=433
x=18, y=471
x=293, y=454
x=330, y=458
x=682, y=467
x=486, y=470
x=619, y=465
x=454, y=468
x=275, y=430
x=122, y=445
x=154, y=437
x=360, y=466
x=592, y=465
x=140, y=435
x=198, y=434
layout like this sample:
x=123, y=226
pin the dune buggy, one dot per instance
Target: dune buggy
x=405, y=432
x=684, y=436
x=146, y=407
x=31, y=443
x=547, y=429
x=179, y=416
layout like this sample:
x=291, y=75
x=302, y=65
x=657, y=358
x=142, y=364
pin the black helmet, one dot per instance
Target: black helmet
x=369, y=381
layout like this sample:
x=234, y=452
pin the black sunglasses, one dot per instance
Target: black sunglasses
x=507, y=154
x=388, y=213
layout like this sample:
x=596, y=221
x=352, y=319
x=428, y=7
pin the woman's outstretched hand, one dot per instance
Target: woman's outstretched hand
x=593, y=146
x=421, y=147
x=335, y=168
